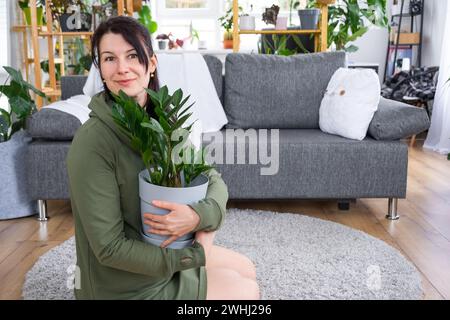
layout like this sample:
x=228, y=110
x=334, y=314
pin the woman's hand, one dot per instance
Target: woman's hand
x=180, y=220
x=206, y=239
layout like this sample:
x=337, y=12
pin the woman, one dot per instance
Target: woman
x=113, y=261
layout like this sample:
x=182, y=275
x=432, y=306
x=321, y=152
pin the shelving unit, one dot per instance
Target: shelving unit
x=52, y=91
x=320, y=35
x=395, y=45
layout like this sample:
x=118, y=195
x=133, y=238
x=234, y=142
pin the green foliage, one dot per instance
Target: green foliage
x=162, y=143
x=84, y=61
x=23, y=4
x=347, y=21
x=45, y=67
x=278, y=46
x=226, y=21
x=20, y=101
x=145, y=17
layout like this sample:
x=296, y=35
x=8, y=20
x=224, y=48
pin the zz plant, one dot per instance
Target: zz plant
x=169, y=158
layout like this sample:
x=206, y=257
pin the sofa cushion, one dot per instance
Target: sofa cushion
x=270, y=91
x=52, y=124
x=311, y=165
x=396, y=120
x=350, y=102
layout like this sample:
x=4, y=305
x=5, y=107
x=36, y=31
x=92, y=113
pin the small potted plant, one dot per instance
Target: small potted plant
x=173, y=168
x=270, y=15
x=226, y=21
x=25, y=6
x=15, y=200
x=309, y=16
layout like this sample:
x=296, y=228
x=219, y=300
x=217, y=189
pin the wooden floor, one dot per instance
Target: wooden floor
x=422, y=234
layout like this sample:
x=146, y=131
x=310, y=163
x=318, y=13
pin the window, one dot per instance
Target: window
x=187, y=8
x=185, y=4
x=177, y=16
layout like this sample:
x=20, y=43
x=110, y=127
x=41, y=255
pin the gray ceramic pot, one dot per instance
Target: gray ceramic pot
x=15, y=199
x=309, y=18
x=148, y=192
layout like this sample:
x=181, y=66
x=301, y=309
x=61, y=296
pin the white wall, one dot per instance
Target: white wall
x=373, y=45
x=372, y=48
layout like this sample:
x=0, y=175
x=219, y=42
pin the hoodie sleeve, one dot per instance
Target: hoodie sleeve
x=212, y=208
x=96, y=205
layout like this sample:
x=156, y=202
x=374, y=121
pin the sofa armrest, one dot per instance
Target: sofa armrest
x=52, y=124
x=396, y=120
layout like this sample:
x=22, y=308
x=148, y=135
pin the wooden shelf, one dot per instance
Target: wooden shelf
x=67, y=34
x=51, y=92
x=33, y=33
x=293, y=31
x=320, y=34
x=19, y=28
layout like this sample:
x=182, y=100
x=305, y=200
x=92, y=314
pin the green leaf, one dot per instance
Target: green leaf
x=351, y=48
x=154, y=125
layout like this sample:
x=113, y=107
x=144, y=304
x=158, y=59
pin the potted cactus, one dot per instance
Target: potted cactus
x=174, y=170
x=15, y=200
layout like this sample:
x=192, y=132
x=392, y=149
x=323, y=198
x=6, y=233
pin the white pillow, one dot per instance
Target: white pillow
x=349, y=103
x=94, y=83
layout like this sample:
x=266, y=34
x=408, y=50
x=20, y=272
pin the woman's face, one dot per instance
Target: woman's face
x=120, y=67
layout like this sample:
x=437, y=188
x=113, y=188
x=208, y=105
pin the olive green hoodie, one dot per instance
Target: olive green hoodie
x=113, y=261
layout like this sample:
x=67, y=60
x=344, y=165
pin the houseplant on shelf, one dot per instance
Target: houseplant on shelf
x=347, y=21
x=25, y=6
x=15, y=201
x=226, y=21
x=309, y=16
x=173, y=168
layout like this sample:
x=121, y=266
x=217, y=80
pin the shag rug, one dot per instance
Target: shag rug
x=296, y=257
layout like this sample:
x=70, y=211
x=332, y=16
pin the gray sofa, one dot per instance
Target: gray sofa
x=265, y=92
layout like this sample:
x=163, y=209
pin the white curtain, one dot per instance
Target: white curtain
x=438, y=138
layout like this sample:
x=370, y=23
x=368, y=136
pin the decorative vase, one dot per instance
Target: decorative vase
x=246, y=23
x=228, y=44
x=27, y=15
x=148, y=192
x=309, y=18
x=15, y=199
x=281, y=23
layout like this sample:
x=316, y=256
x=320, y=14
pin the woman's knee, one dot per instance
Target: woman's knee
x=224, y=284
x=228, y=259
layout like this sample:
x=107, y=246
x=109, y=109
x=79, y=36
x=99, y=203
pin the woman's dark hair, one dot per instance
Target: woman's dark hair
x=137, y=36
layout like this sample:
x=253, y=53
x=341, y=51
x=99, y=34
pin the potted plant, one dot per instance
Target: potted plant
x=347, y=20
x=226, y=21
x=25, y=6
x=173, y=168
x=309, y=16
x=15, y=200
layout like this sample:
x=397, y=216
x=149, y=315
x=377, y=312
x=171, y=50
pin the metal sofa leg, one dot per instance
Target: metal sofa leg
x=392, y=209
x=42, y=207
